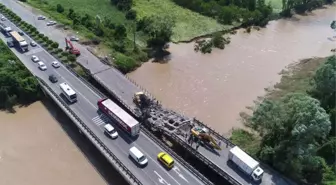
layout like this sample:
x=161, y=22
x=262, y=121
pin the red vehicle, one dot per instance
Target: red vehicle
x=125, y=121
x=71, y=48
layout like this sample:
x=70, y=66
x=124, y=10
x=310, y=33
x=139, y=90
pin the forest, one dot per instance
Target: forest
x=17, y=85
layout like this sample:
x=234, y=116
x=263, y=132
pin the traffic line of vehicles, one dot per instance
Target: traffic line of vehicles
x=130, y=126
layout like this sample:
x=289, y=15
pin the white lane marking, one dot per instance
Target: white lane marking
x=158, y=164
x=175, y=162
x=99, y=120
x=161, y=180
x=177, y=170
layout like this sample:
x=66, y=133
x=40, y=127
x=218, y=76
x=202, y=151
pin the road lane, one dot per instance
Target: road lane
x=86, y=109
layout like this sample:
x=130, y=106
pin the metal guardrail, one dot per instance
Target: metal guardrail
x=128, y=172
x=205, y=160
x=176, y=157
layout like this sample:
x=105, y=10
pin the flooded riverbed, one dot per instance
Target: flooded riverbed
x=217, y=86
x=39, y=146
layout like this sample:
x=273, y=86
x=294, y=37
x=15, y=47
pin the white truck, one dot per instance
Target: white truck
x=246, y=163
x=20, y=41
x=126, y=121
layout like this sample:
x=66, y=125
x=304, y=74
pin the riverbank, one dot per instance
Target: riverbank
x=35, y=148
x=216, y=88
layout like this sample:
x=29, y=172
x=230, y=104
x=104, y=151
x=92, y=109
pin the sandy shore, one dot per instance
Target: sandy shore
x=35, y=150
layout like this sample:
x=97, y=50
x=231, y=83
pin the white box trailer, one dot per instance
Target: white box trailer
x=126, y=121
x=246, y=163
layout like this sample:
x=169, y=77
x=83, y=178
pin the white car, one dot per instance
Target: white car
x=110, y=130
x=41, y=17
x=55, y=64
x=74, y=38
x=33, y=43
x=35, y=58
x=42, y=66
x=51, y=23
x=3, y=18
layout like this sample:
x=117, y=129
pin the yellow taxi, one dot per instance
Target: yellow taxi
x=166, y=159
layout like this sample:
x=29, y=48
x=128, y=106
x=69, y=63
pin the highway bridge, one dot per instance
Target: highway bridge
x=90, y=121
x=123, y=90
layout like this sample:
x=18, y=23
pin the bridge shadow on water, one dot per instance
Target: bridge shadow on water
x=93, y=155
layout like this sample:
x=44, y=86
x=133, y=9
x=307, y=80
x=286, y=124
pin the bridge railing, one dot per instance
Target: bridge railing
x=177, y=157
x=121, y=165
x=214, y=167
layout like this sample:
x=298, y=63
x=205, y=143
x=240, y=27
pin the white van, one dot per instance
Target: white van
x=138, y=156
x=110, y=130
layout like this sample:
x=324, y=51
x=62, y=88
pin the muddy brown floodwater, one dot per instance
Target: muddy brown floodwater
x=35, y=148
x=216, y=87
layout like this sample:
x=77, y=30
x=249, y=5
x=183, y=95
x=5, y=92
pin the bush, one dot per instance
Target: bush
x=59, y=50
x=55, y=45
x=124, y=63
x=49, y=42
x=131, y=15
x=59, y=8
x=45, y=38
x=65, y=54
x=71, y=58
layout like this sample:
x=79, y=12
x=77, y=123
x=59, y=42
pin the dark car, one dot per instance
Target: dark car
x=21, y=32
x=10, y=44
x=53, y=78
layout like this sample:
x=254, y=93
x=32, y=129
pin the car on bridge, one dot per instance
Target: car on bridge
x=42, y=66
x=53, y=78
x=34, y=58
x=33, y=43
x=55, y=64
x=111, y=131
x=166, y=160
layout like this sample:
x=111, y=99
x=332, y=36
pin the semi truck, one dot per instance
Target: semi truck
x=5, y=29
x=19, y=41
x=246, y=163
x=116, y=113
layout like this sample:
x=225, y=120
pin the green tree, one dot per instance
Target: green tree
x=131, y=14
x=292, y=130
x=333, y=25
x=159, y=29
x=59, y=8
x=71, y=58
x=54, y=45
x=324, y=84
x=120, y=31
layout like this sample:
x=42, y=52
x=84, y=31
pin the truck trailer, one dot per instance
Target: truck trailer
x=116, y=113
x=246, y=163
x=19, y=41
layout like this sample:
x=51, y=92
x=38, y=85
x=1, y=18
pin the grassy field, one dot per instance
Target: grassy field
x=188, y=24
x=276, y=5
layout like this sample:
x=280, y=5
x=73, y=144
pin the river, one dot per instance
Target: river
x=39, y=145
x=216, y=87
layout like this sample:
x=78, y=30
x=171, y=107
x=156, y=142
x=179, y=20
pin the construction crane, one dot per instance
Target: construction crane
x=202, y=133
x=71, y=48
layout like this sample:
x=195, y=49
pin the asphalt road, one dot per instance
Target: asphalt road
x=86, y=108
x=109, y=77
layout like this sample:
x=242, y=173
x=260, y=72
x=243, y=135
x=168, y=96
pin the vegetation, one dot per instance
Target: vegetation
x=295, y=124
x=17, y=85
x=217, y=41
x=188, y=24
x=115, y=26
x=301, y=6
x=247, y=12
